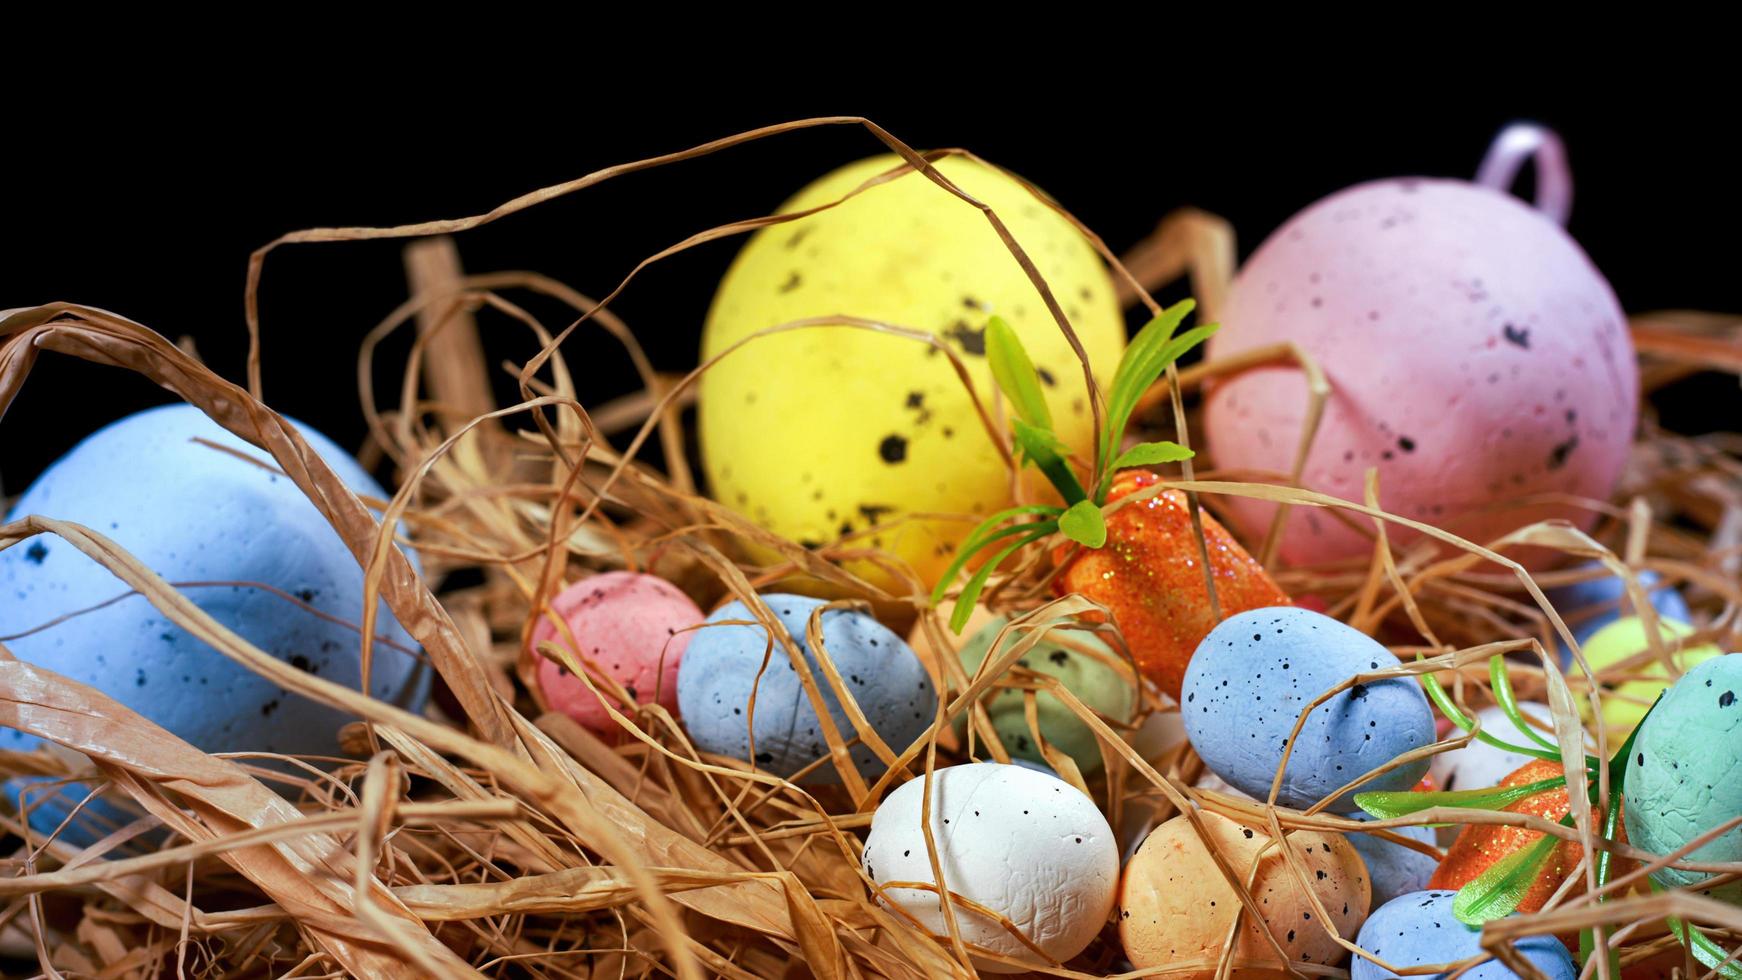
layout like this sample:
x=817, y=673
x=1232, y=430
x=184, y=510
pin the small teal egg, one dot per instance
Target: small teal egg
x=1685, y=775
x=1419, y=928
x=1253, y=675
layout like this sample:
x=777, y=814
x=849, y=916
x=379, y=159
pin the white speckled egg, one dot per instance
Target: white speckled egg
x=1480, y=764
x=1025, y=844
x=1477, y=358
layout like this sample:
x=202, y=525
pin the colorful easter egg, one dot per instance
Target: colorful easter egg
x=1478, y=846
x=1682, y=778
x=1480, y=764
x=1628, y=693
x=1026, y=845
x=1393, y=868
x=632, y=626
x=822, y=431
x=1086, y=666
x=1175, y=906
x=1476, y=357
x=1419, y=929
x=1150, y=575
x=1590, y=605
x=191, y=502
x=728, y=663
x=1254, y=674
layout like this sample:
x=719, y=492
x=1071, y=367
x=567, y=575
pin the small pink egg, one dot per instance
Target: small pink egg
x=631, y=626
x=1477, y=358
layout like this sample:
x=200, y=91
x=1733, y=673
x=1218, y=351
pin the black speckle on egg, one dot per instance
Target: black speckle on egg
x=1046, y=377
x=972, y=341
x=1516, y=336
x=793, y=280
x=764, y=758
x=1557, y=456
x=36, y=552
x=1726, y=699
x=1406, y=444
x=893, y=449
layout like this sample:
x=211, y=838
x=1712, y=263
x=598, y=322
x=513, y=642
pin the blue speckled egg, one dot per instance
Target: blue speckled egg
x=1419, y=929
x=229, y=529
x=1392, y=868
x=1589, y=606
x=1685, y=776
x=1251, y=677
x=719, y=673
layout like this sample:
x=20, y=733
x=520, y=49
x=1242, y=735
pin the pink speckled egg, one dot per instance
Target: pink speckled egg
x=1477, y=358
x=632, y=627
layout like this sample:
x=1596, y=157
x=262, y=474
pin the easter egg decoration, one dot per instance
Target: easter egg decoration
x=1480, y=846
x=212, y=515
x=1477, y=359
x=1175, y=905
x=1083, y=663
x=1591, y=604
x=1020, y=843
x=1392, y=868
x=822, y=431
x=1140, y=559
x=1481, y=764
x=1681, y=775
x=1629, y=691
x=1254, y=674
x=1419, y=929
x=723, y=669
x=633, y=627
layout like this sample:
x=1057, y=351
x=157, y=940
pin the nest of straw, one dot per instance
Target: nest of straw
x=490, y=836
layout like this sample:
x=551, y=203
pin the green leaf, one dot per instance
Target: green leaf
x=1082, y=522
x=1496, y=893
x=977, y=584
x=1150, y=339
x=1709, y=953
x=1140, y=371
x=1386, y=805
x=1508, y=701
x=1447, y=707
x=1042, y=448
x=1151, y=454
x=1015, y=374
x=984, y=534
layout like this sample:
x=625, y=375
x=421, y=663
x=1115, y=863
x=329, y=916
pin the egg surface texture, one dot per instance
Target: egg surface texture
x=719, y=674
x=630, y=625
x=1627, y=700
x=822, y=431
x=1685, y=775
x=1019, y=842
x=1589, y=606
x=1477, y=357
x=196, y=514
x=1479, y=764
x=1083, y=663
x=1254, y=674
x=1419, y=929
x=1175, y=905
x=1392, y=868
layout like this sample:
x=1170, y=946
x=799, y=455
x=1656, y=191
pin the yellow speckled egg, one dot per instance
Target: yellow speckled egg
x=1175, y=905
x=1627, y=694
x=820, y=432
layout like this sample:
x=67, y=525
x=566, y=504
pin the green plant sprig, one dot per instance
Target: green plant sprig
x=1080, y=520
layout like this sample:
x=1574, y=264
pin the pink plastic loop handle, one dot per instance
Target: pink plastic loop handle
x=1527, y=141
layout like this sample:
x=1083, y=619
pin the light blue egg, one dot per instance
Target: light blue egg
x=1685, y=775
x=1419, y=929
x=1609, y=593
x=1250, y=679
x=1392, y=868
x=720, y=671
x=195, y=514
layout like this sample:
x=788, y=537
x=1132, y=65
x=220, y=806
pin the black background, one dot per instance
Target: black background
x=148, y=203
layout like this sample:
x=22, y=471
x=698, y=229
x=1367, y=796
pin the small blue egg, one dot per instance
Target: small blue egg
x=1249, y=681
x=195, y=514
x=1419, y=929
x=720, y=672
x=1392, y=868
x=1610, y=594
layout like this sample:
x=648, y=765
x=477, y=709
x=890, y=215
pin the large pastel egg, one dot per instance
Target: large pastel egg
x=631, y=626
x=1175, y=905
x=1477, y=359
x=1393, y=868
x=823, y=431
x=1419, y=929
x=1683, y=778
x=1479, y=764
x=1628, y=692
x=210, y=514
x=1084, y=664
x=1254, y=674
x=1026, y=845
x=731, y=660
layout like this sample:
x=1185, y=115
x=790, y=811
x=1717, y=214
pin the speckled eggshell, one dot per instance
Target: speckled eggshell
x=1419, y=929
x=632, y=626
x=1476, y=357
x=192, y=513
x=1252, y=676
x=719, y=670
x=1175, y=905
x=1589, y=606
x=1480, y=764
x=1627, y=700
x=818, y=432
x=1392, y=868
x=1085, y=665
x=1685, y=776
x=1022, y=843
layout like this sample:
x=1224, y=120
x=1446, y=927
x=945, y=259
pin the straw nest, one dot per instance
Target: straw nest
x=492, y=837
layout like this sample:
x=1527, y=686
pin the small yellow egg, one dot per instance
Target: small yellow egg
x=1625, y=701
x=823, y=431
x=1175, y=905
